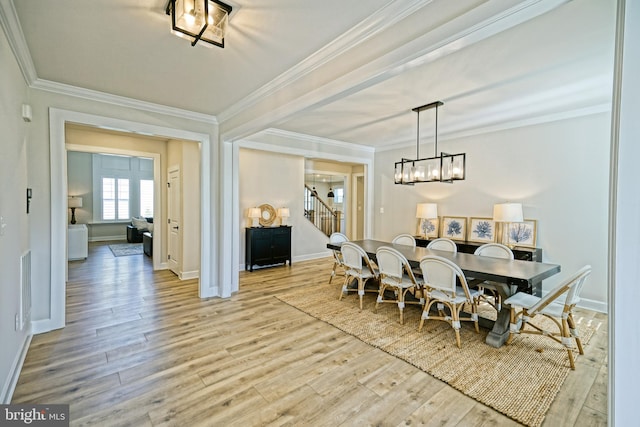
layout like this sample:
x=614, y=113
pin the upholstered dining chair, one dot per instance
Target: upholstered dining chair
x=337, y=255
x=443, y=244
x=404, y=239
x=440, y=287
x=357, y=266
x=551, y=307
x=494, y=250
x=396, y=275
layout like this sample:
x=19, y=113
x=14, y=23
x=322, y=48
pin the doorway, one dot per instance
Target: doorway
x=173, y=219
x=58, y=119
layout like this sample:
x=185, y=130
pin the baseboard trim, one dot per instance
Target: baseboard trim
x=186, y=275
x=298, y=258
x=108, y=238
x=11, y=382
x=309, y=257
x=588, y=304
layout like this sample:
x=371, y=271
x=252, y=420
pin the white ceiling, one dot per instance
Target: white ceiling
x=344, y=70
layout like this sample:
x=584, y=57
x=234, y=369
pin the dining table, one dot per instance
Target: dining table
x=505, y=276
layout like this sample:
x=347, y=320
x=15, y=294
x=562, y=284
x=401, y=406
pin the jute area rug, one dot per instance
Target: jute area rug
x=126, y=249
x=520, y=380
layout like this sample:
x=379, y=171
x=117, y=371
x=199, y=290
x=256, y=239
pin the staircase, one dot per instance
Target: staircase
x=319, y=213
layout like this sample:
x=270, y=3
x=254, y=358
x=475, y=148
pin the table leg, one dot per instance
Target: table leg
x=500, y=328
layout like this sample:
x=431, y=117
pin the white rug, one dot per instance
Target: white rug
x=125, y=249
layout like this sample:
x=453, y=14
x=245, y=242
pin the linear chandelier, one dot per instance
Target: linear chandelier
x=439, y=168
x=196, y=20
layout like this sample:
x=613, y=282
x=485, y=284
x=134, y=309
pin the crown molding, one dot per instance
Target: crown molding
x=422, y=50
x=121, y=101
x=379, y=21
x=13, y=30
x=310, y=139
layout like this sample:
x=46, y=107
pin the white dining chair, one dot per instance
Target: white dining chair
x=337, y=255
x=358, y=266
x=404, y=239
x=443, y=244
x=494, y=250
x=551, y=307
x=441, y=277
x=396, y=275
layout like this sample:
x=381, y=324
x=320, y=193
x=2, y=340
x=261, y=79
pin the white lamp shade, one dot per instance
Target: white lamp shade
x=508, y=212
x=427, y=211
x=255, y=213
x=283, y=212
x=74, y=202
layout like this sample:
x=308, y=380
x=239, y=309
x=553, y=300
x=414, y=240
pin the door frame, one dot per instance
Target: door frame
x=57, y=119
x=171, y=189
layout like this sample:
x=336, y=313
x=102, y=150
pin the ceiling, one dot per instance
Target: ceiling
x=349, y=71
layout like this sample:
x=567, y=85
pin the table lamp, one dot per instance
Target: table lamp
x=507, y=213
x=254, y=214
x=283, y=213
x=426, y=211
x=74, y=202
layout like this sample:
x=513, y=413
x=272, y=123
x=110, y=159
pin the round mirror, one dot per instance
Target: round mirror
x=267, y=215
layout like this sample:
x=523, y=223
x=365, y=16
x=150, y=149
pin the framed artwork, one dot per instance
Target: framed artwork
x=482, y=230
x=428, y=228
x=522, y=233
x=454, y=227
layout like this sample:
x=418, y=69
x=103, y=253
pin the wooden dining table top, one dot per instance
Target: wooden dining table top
x=481, y=267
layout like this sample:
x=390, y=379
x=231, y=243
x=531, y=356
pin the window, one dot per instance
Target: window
x=339, y=195
x=123, y=187
x=115, y=198
x=146, y=198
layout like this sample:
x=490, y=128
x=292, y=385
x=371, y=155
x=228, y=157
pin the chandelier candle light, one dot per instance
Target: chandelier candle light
x=439, y=168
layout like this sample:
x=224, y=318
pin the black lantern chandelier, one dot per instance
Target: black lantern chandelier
x=196, y=20
x=439, y=168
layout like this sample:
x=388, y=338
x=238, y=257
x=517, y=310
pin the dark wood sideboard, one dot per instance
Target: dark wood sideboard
x=524, y=254
x=267, y=246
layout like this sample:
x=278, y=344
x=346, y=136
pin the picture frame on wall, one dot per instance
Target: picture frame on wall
x=522, y=233
x=454, y=228
x=482, y=230
x=428, y=228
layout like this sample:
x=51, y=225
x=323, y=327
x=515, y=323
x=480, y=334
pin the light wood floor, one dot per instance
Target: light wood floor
x=140, y=348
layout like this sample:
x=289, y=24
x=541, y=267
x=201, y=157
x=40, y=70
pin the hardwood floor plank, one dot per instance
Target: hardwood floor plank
x=141, y=349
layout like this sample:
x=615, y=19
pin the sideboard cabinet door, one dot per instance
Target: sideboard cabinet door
x=267, y=246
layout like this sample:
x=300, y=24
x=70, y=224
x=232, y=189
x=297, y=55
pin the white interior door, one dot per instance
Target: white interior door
x=174, y=233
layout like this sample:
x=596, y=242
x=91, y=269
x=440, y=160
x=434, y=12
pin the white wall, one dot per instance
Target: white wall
x=14, y=238
x=558, y=171
x=278, y=179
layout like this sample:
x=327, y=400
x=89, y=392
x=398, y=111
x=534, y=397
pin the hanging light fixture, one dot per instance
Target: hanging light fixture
x=196, y=20
x=439, y=168
x=330, y=195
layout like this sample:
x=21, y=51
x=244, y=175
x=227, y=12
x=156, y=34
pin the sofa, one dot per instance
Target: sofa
x=137, y=228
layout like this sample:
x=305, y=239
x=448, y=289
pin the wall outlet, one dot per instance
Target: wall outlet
x=382, y=210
